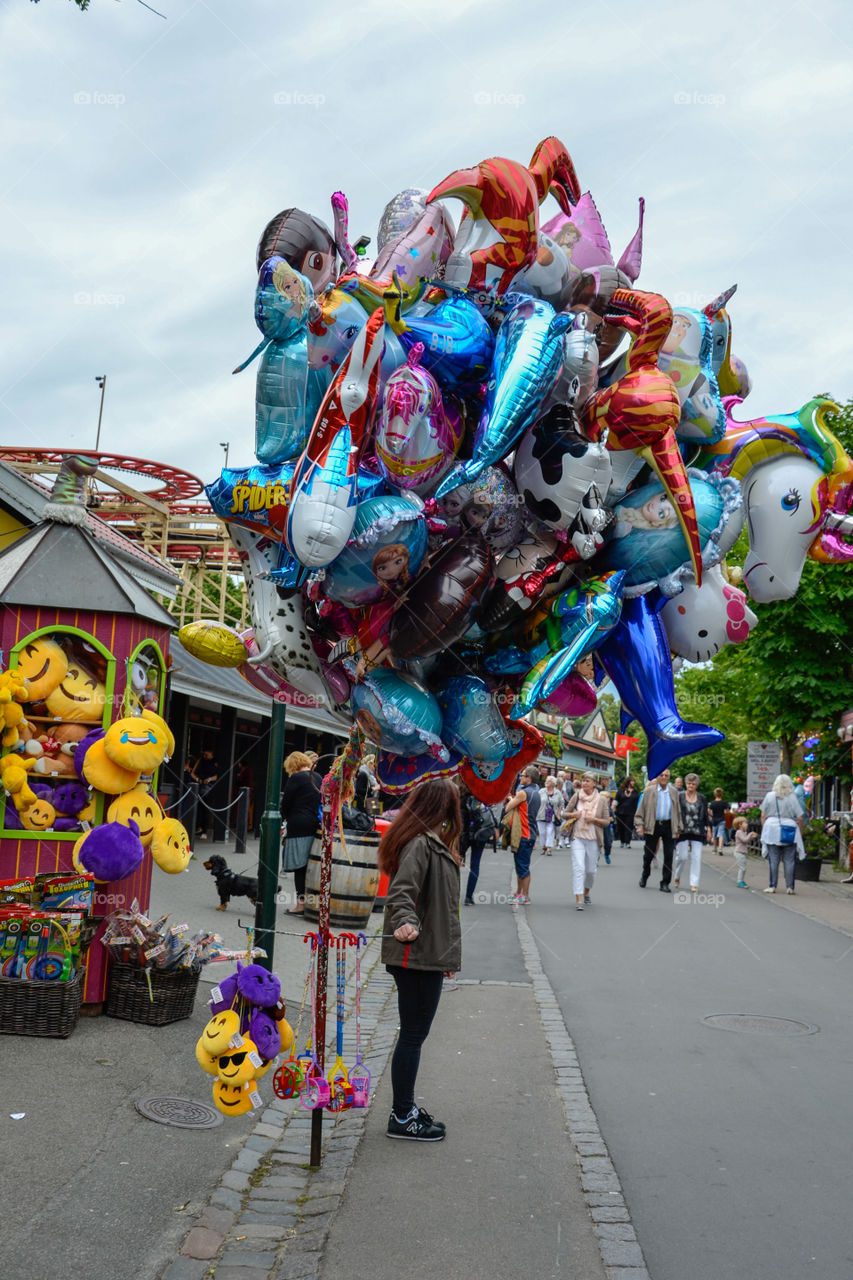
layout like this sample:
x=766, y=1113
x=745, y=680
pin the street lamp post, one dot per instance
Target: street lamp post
x=226, y=445
x=101, y=380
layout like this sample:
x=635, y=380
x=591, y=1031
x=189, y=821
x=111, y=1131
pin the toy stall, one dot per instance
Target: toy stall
x=83, y=649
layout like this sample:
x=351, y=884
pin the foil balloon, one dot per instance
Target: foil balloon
x=213, y=642
x=498, y=236
x=687, y=358
x=573, y=697
x=304, y=242
x=797, y=490
x=286, y=395
x=458, y=344
x=578, y=376
x=700, y=621
x=635, y=656
x=385, y=551
x=492, y=505
x=647, y=542
x=420, y=251
x=438, y=607
x=278, y=619
x=398, y=774
x=528, y=745
x=577, y=622
x=255, y=497
x=399, y=213
x=472, y=723
x=324, y=489
x=528, y=573
x=528, y=355
x=418, y=434
x=548, y=276
x=558, y=472
x=398, y=715
x=642, y=410
x=581, y=235
x=335, y=323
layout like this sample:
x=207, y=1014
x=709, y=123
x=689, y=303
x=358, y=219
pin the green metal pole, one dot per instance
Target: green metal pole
x=269, y=856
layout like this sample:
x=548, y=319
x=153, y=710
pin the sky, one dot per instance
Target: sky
x=141, y=157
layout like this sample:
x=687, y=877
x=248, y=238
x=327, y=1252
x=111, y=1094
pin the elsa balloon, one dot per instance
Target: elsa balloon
x=287, y=394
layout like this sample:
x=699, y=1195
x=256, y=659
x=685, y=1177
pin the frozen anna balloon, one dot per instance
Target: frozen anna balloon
x=385, y=550
x=398, y=715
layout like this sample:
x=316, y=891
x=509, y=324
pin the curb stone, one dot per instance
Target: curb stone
x=617, y=1240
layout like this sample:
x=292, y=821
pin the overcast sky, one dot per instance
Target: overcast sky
x=141, y=159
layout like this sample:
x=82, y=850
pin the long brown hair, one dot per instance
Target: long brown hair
x=425, y=809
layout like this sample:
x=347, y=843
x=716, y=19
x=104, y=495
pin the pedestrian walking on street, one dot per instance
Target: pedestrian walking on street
x=478, y=828
x=742, y=838
x=694, y=831
x=300, y=808
x=717, y=809
x=521, y=812
x=781, y=831
x=588, y=812
x=422, y=935
x=659, y=819
x=627, y=799
x=550, y=813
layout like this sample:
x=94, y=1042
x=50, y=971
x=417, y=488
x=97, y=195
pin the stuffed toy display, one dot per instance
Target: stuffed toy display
x=246, y=1033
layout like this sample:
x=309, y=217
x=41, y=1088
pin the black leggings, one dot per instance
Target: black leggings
x=418, y=994
x=299, y=876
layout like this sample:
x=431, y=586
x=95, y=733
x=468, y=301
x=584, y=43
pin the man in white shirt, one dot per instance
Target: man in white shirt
x=659, y=818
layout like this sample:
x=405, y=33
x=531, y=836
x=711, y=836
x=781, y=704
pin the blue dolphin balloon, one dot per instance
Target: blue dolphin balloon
x=528, y=358
x=635, y=656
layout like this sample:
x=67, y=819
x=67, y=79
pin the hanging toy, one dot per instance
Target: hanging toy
x=359, y=1076
x=314, y=1091
x=340, y=1092
x=289, y=1077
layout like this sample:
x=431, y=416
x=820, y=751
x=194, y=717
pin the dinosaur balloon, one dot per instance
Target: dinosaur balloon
x=642, y=410
x=499, y=234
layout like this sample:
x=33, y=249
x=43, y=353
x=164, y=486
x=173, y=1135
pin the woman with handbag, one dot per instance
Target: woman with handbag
x=550, y=813
x=586, y=815
x=300, y=808
x=781, y=835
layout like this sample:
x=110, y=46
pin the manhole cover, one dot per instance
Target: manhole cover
x=758, y=1024
x=183, y=1113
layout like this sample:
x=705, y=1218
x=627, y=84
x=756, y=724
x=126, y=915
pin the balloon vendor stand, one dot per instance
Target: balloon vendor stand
x=82, y=646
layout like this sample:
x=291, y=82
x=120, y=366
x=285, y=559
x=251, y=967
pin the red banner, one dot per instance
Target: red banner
x=623, y=744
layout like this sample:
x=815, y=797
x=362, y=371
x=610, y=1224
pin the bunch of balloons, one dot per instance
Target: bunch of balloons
x=492, y=472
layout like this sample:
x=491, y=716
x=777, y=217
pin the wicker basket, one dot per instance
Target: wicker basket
x=40, y=1008
x=129, y=997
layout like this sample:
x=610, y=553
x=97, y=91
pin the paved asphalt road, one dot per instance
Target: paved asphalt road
x=733, y=1149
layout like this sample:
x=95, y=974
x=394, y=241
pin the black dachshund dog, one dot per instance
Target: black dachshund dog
x=228, y=884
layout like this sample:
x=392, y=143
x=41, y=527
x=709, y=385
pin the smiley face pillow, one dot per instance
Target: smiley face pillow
x=137, y=805
x=140, y=743
x=80, y=695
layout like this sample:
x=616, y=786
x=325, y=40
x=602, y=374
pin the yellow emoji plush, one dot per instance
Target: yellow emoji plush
x=205, y=1060
x=217, y=1035
x=239, y=1065
x=139, y=743
x=233, y=1099
x=140, y=806
x=13, y=691
x=43, y=664
x=78, y=696
x=104, y=774
x=39, y=816
x=170, y=846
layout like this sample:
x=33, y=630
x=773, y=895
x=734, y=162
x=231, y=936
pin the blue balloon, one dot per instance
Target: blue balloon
x=635, y=655
x=398, y=715
x=528, y=357
x=458, y=343
x=646, y=540
x=384, y=552
x=472, y=723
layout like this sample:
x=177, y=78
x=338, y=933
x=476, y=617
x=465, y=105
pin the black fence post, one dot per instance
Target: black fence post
x=242, y=820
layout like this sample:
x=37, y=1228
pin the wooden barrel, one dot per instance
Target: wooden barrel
x=354, y=881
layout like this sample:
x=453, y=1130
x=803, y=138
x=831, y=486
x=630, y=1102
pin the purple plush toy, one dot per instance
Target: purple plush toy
x=258, y=986
x=228, y=989
x=263, y=1030
x=111, y=851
